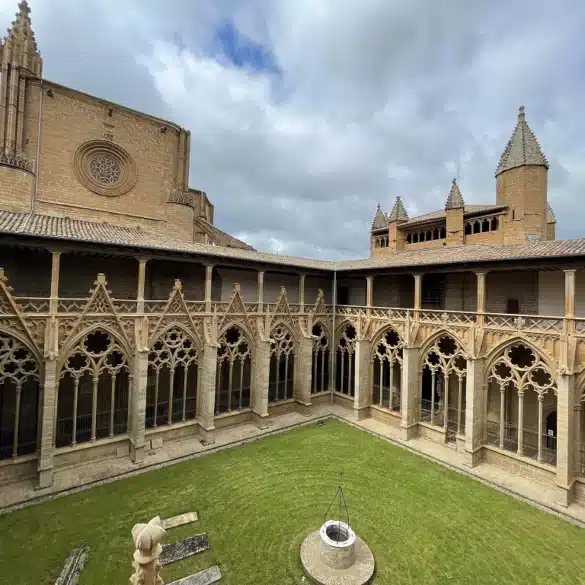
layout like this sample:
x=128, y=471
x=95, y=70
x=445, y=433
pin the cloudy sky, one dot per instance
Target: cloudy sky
x=305, y=114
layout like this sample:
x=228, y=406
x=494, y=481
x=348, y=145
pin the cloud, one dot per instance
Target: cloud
x=304, y=115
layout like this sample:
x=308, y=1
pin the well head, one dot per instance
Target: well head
x=337, y=544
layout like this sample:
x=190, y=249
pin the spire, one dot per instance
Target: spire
x=380, y=219
x=522, y=148
x=398, y=212
x=19, y=47
x=550, y=214
x=455, y=199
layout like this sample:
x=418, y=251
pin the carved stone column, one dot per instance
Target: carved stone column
x=304, y=370
x=138, y=405
x=206, y=392
x=475, y=410
x=410, y=392
x=566, y=429
x=362, y=394
x=48, y=412
x=260, y=378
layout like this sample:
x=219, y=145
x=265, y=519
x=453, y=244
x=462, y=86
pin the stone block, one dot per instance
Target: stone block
x=181, y=549
x=179, y=520
x=73, y=566
x=205, y=577
x=123, y=451
x=156, y=443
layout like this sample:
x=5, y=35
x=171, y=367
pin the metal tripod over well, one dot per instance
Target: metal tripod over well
x=341, y=506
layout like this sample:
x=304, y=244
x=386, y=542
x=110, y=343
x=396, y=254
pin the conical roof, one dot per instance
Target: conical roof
x=455, y=199
x=380, y=219
x=522, y=148
x=398, y=212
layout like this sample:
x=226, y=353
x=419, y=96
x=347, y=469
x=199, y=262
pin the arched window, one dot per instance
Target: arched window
x=234, y=372
x=415, y=238
x=443, y=233
x=443, y=386
x=522, y=404
x=494, y=224
x=429, y=236
x=409, y=239
x=387, y=366
x=467, y=228
x=171, y=388
x=93, y=391
x=436, y=234
x=282, y=361
x=345, y=378
x=476, y=227
x=19, y=398
x=485, y=225
x=320, y=359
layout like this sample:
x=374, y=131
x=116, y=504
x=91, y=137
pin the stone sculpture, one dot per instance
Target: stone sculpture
x=147, y=539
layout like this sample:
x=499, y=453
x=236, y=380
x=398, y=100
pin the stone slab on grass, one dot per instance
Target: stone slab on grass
x=73, y=566
x=179, y=520
x=181, y=549
x=205, y=577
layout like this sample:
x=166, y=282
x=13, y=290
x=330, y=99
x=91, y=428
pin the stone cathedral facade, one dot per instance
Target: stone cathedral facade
x=129, y=321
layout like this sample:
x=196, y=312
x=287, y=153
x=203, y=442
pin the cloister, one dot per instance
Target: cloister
x=105, y=375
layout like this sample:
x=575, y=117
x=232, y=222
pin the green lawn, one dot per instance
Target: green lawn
x=425, y=524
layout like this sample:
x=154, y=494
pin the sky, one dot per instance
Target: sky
x=305, y=114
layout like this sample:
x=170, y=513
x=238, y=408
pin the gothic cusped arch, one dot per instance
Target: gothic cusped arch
x=94, y=387
x=20, y=381
x=497, y=351
x=346, y=338
x=386, y=363
x=173, y=371
x=282, y=361
x=521, y=388
x=320, y=361
x=26, y=342
x=234, y=369
x=244, y=328
x=432, y=340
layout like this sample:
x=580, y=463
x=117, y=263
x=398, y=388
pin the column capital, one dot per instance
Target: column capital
x=569, y=270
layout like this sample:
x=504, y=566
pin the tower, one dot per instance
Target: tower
x=454, y=210
x=21, y=64
x=398, y=216
x=521, y=184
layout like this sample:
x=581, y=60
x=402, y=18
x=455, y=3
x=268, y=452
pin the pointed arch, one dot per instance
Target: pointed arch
x=346, y=336
x=25, y=341
x=245, y=328
x=94, y=387
x=386, y=363
x=234, y=370
x=320, y=360
x=499, y=349
x=20, y=382
x=443, y=381
x=521, y=388
x=173, y=371
x=282, y=361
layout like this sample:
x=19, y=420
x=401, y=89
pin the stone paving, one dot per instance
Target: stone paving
x=85, y=475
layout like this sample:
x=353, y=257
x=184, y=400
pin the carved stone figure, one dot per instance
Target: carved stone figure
x=147, y=539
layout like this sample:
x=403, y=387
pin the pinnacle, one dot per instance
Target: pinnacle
x=522, y=148
x=21, y=26
x=455, y=199
x=19, y=47
x=398, y=212
x=380, y=219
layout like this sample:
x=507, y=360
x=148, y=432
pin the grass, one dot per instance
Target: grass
x=424, y=523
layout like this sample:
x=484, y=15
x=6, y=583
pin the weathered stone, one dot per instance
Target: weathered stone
x=181, y=549
x=179, y=520
x=205, y=577
x=73, y=566
x=156, y=443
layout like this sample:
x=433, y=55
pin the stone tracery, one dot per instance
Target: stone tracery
x=282, y=357
x=444, y=369
x=172, y=379
x=234, y=371
x=345, y=366
x=521, y=388
x=320, y=363
x=19, y=398
x=93, y=390
x=387, y=365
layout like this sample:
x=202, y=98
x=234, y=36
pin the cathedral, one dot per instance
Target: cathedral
x=131, y=325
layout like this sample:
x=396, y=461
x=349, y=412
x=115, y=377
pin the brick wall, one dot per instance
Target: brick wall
x=501, y=286
x=461, y=292
x=28, y=271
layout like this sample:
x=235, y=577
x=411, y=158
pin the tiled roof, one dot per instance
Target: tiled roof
x=522, y=148
x=437, y=215
x=470, y=253
x=65, y=228
x=221, y=238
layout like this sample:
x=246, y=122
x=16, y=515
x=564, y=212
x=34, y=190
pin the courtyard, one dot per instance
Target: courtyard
x=424, y=523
